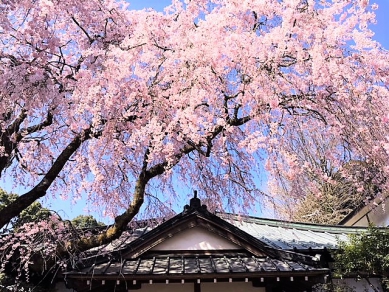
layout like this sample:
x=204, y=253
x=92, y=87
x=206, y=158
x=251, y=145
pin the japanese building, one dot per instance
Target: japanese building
x=197, y=250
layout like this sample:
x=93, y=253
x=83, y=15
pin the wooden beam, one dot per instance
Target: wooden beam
x=197, y=287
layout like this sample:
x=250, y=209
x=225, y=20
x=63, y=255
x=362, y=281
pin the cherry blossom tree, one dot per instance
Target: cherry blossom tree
x=116, y=104
x=326, y=189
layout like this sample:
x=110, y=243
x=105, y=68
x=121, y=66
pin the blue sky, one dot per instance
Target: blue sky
x=68, y=210
x=381, y=29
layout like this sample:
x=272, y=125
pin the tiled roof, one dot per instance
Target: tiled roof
x=194, y=265
x=275, y=233
x=132, y=257
x=290, y=235
x=125, y=238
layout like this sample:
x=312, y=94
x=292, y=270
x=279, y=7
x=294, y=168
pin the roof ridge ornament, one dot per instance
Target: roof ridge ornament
x=194, y=204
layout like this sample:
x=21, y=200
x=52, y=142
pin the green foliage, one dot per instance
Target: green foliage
x=84, y=221
x=365, y=254
x=35, y=212
x=332, y=288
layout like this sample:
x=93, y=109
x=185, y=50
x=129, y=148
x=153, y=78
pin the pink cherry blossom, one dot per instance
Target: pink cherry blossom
x=122, y=106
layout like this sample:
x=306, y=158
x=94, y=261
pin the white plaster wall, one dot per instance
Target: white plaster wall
x=360, y=285
x=205, y=287
x=196, y=238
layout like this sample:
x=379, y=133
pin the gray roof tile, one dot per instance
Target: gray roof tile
x=289, y=235
x=195, y=265
x=206, y=266
x=176, y=266
x=130, y=266
x=145, y=266
x=114, y=268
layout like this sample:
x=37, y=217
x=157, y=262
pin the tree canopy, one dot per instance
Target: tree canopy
x=122, y=105
x=325, y=193
x=365, y=255
x=29, y=242
x=85, y=221
x=34, y=212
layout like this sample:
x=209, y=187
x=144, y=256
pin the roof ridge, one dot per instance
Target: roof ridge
x=286, y=223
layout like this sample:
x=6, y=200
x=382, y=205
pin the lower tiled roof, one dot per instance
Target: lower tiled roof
x=194, y=265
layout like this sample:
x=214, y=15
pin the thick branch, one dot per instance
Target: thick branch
x=13, y=134
x=147, y=173
x=7, y=142
x=25, y=200
x=121, y=221
x=14, y=127
x=120, y=225
x=32, y=129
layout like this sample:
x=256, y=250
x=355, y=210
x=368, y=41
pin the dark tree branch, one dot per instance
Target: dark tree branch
x=147, y=173
x=32, y=129
x=13, y=134
x=15, y=126
x=91, y=40
x=25, y=200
